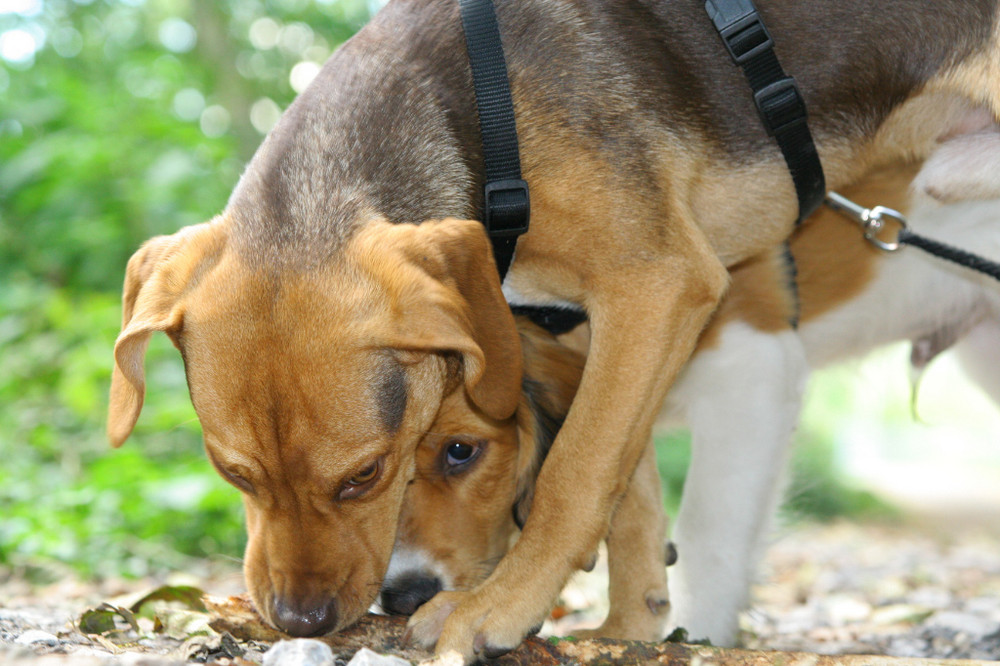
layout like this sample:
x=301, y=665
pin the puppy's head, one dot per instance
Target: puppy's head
x=474, y=480
x=315, y=386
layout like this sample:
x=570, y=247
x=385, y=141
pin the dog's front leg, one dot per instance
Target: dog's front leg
x=742, y=402
x=646, y=313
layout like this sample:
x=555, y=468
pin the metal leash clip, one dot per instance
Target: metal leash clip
x=872, y=220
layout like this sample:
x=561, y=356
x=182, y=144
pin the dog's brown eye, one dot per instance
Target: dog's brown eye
x=365, y=475
x=458, y=454
x=361, y=482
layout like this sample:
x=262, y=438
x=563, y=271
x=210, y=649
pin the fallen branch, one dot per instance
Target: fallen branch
x=384, y=635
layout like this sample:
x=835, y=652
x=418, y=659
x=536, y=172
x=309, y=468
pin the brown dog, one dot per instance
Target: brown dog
x=322, y=320
x=473, y=488
x=475, y=478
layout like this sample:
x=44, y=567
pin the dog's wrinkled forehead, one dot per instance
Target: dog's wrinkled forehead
x=290, y=363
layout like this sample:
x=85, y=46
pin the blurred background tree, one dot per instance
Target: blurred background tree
x=120, y=120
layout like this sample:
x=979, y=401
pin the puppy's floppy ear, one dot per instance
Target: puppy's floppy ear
x=445, y=295
x=552, y=372
x=157, y=274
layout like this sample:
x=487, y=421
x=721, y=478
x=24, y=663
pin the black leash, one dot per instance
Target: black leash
x=875, y=224
x=506, y=207
x=778, y=100
x=951, y=253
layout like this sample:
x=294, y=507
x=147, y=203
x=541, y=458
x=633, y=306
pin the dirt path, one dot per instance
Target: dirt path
x=838, y=589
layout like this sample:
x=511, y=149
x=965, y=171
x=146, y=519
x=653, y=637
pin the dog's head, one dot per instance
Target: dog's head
x=314, y=387
x=475, y=478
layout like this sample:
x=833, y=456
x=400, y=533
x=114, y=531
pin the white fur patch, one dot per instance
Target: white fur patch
x=407, y=560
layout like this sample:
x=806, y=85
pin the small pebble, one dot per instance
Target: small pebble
x=900, y=614
x=973, y=626
x=366, y=657
x=36, y=637
x=299, y=652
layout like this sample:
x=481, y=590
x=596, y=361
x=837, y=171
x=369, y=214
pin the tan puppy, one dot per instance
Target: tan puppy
x=475, y=477
x=473, y=488
x=321, y=328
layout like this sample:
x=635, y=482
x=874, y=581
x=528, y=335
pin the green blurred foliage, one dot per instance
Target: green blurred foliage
x=128, y=119
x=103, y=133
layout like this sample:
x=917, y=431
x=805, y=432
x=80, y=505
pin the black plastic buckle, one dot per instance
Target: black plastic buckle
x=507, y=208
x=735, y=19
x=780, y=105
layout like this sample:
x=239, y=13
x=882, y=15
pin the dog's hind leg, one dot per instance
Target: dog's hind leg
x=647, y=307
x=742, y=401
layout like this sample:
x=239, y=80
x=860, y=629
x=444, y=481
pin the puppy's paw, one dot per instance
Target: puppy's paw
x=636, y=622
x=424, y=627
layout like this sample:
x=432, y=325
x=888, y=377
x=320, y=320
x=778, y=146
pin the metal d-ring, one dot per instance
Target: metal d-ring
x=874, y=224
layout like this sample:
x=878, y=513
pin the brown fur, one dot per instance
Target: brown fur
x=289, y=305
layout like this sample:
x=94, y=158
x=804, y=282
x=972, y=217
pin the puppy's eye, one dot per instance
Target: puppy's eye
x=361, y=482
x=458, y=455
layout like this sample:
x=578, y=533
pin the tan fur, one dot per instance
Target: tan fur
x=459, y=520
x=977, y=78
x=466, y=520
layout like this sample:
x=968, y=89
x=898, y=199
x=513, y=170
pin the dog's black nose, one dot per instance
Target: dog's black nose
x=405, y=594
x=303, y=620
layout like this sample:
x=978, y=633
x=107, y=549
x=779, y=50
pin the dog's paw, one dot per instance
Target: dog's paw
x=424, y=627
x=469, y=623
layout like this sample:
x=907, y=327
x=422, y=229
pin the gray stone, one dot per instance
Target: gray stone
x=299, y=652
x=36, y=637
x=973, y=626
x=366, y=657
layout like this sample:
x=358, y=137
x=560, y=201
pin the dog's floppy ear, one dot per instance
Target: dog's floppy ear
x=156, y=276
x=552, y=373
x=446, y=296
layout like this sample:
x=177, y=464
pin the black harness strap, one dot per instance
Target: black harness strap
x=506, y=207
x=778, y=100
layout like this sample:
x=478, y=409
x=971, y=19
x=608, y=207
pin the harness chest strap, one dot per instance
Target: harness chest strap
x=506, y=203
x=506, y=206
x=775, y=94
